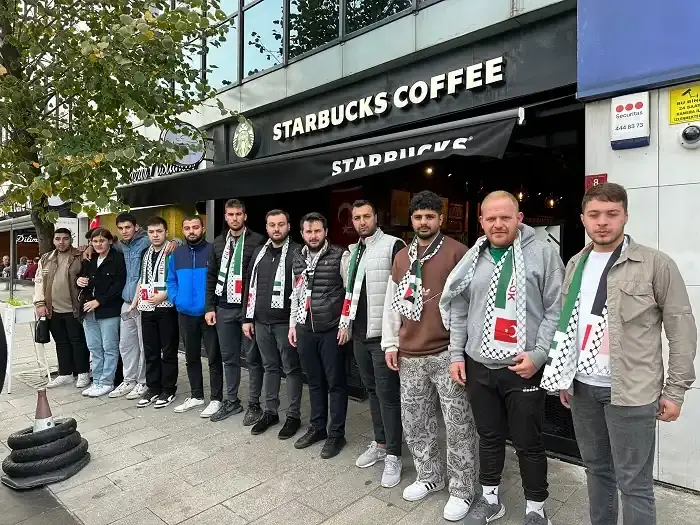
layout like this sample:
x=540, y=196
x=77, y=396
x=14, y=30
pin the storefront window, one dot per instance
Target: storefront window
x=312, y=23
x=362, y=13
x=263, y=41
x=222, y=57
x=228, y=6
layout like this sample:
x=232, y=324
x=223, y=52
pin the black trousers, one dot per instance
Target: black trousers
x=160, y=343
x=324, y=364
x=71, y=347
x=194, y=330
x=502, y=400
x=384, y=391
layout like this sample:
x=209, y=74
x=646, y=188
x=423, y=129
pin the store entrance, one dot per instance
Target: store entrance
x=543, y=167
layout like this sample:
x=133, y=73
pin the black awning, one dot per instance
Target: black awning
x=486, y=136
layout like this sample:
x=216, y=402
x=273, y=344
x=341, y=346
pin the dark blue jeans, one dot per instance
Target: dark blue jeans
x=617, y=448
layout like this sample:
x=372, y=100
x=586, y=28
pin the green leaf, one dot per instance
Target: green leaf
x=111, y=157
x=142, y=114
x=139, y=78
x=130, y=153
x=126, y=20
x=102, y=201
x=46, y=133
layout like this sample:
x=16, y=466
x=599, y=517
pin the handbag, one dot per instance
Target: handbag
x=41, y=331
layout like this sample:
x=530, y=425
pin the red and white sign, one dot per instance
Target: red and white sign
x=629, y=121
x=594, y=180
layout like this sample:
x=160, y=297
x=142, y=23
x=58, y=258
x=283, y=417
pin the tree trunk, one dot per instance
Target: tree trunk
x=44, y=229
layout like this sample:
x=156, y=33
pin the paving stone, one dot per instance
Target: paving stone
x=372, y=510
x=292, y=513
x=267, y=496
x=196, y=500
x=126, y=426
x=138, y=496
x=179, y=440
x=142, y=517
x=102, y=421
x=129, y=440
x=95, y=436
x=13, y=424
x=156, y=466
x=340, y=491
x=88, y=493
x=57, y=516
x=217, y=515
x=428, y=511
x=101, y=466
x=394, y=495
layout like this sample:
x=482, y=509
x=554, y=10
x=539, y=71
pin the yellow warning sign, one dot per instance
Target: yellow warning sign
x=685, y=104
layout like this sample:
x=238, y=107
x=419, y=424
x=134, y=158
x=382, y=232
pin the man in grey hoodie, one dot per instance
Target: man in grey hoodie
x=501, y=304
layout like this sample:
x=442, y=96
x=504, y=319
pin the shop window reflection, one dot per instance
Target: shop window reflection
x=312, y=23
x=263, y=41
x=222, y=57
x=228, y=6
x=362, y=13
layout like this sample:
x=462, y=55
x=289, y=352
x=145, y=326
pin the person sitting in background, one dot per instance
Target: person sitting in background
x=32, y=268
x=103, y=280
x=22, y=268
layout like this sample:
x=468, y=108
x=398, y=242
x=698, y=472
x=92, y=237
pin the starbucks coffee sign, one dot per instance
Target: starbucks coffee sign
x=476, y=76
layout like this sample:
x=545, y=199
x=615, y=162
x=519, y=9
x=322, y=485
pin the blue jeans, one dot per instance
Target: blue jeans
x=103, y=342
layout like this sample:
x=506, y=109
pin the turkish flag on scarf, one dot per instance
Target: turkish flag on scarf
x=505, y=330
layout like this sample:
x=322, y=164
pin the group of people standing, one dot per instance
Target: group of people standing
x=483, y=333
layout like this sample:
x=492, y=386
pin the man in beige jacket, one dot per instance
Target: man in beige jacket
x=56, y=298
x=606, y=358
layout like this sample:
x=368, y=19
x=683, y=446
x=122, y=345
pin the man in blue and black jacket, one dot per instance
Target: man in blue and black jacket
x=187, y=278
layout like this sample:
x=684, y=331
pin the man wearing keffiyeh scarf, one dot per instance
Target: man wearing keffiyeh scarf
x=317, y=302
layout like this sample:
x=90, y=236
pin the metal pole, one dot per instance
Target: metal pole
x=13, y=250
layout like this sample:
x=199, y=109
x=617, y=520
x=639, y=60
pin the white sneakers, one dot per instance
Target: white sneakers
x=97, y=390
x=189, y=404
x=212, y=408
x=456, y=509
x=123, y=389
x=370, y=456
x=392, y=471
x=60, y=381
x=419, y=489
x=83, y=380
x=137, y=391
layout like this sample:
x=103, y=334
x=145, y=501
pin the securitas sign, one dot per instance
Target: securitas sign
x=475, y=76
x=629, y=121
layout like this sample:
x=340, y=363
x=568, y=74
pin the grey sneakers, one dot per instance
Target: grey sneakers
x=482, y=512
x=534, y=518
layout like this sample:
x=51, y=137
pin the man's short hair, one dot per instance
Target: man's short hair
x=364, y=202
x=501, y=194
x=126, y=217
x=235, y=203
x=606, y=192
x=157, y=221
x=276, y=211
x=63, y=231
x=193, y=218
x=425, y=200
x=314, y=216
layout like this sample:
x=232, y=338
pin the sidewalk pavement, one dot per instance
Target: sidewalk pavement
x=155, y=467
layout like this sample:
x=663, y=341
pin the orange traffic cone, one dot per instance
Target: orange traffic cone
x=43, y=418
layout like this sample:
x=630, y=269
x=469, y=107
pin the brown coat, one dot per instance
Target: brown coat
x=45, y=274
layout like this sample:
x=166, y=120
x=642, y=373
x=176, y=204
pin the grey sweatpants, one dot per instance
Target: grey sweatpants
x=131, y=348
x=424, y=381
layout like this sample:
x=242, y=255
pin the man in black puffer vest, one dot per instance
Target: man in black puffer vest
x=227, y=272
x=317, y=302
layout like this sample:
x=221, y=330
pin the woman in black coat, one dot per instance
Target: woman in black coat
x=102, y=281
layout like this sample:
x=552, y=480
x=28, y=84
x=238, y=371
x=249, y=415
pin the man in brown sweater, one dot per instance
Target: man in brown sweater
x=416, y=343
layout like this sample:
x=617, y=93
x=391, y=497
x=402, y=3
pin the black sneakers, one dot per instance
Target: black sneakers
x=252, y=415
x=228, y=408
x=312, y=436
x=264, y=422
x=164, y=400
x=290, y=428
x=148, y=397
x=332, y=447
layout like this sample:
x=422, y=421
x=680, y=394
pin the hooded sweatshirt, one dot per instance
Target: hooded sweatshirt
x=133, y=253
x=544, y=272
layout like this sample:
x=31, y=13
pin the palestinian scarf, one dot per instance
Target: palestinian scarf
x=153, y=279
x=277, y=285
x=301, y=294
x=564, y=358
x=408, y=299
x=229, y=274
x=353, y=289
x=505, y=321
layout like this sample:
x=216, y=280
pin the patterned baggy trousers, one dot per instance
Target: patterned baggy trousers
x=424, y=380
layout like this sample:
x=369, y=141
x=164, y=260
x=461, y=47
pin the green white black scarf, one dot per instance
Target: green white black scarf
x=231, y=275
x=564, y=358
x=153, y=279
x=353, y=289
x=278, y=284
x=301, y=294
x=505, y=325
x=408, y=299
